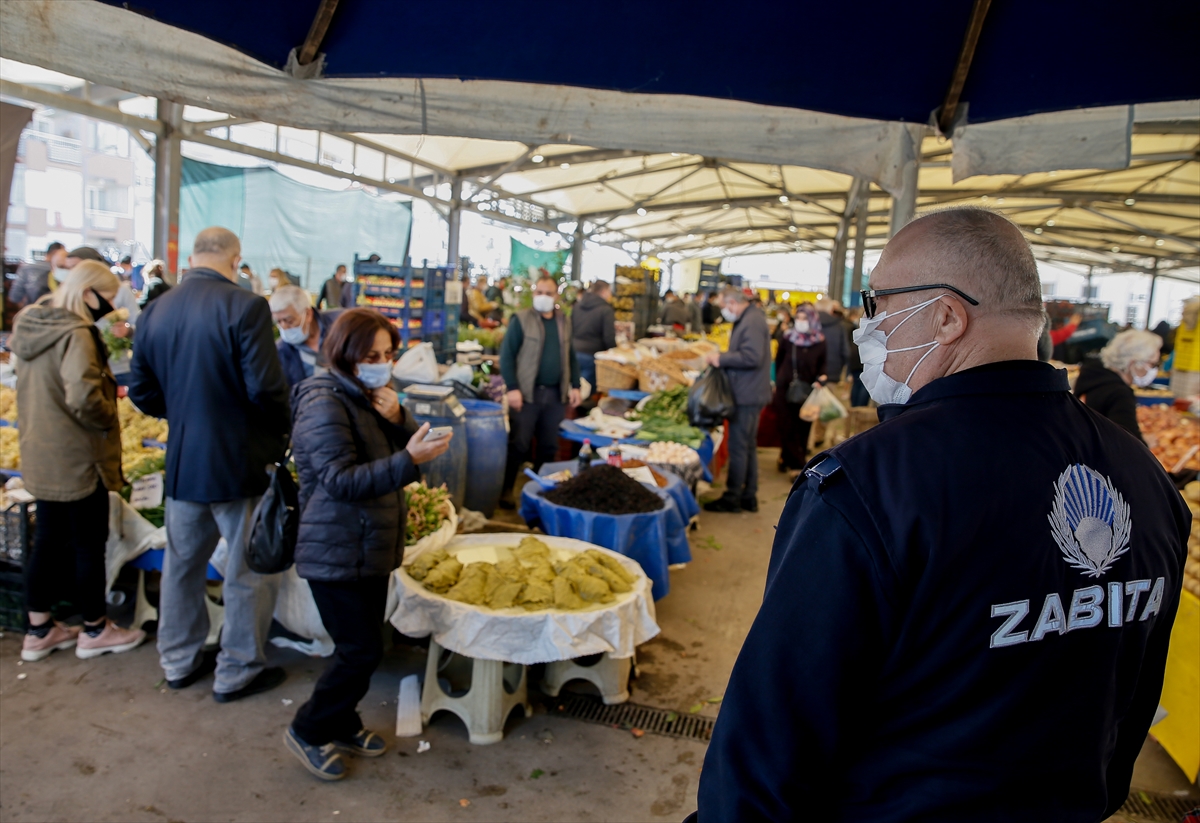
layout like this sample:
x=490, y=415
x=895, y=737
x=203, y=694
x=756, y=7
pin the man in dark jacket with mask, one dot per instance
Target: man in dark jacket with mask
x=302, y=330
x=747, y=364
x=593, y=322
x=204, y=358
x=837, y=341
x=925, y=644
x=33, y=279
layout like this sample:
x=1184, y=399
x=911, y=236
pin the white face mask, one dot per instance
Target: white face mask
x=802, y=326
x=543, y=303
x=872, y=348
x=729, y=314
x=1144, y=380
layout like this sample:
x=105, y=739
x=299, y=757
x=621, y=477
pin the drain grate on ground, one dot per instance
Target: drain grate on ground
x=631, y=715
x=1148, y=807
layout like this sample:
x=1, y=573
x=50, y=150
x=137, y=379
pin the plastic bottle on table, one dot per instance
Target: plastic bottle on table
x=614, y=456
x=586, y=453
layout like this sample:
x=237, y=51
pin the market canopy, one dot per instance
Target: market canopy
x=648, y=127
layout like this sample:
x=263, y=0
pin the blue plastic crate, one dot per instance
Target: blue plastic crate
x=434, y=321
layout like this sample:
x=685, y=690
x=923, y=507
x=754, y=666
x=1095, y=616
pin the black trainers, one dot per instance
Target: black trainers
x=264, y=681
x=749, y=504
x=364, y=744
x=321, y=761
x=208, y=664
x=722, y=504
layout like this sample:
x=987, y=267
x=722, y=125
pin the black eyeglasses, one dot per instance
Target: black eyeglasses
x=869, y=295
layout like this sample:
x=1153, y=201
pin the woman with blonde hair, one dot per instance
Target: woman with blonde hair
x=70, y=440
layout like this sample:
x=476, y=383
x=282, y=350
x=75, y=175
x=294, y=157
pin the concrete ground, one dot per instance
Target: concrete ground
x=103, y=740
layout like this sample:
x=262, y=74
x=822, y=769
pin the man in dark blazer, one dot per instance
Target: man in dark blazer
x=204, y=358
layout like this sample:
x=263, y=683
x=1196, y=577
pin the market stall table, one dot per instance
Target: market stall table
x=649, y=538
x=496, y=638
x=570, y=430
x=685, y=501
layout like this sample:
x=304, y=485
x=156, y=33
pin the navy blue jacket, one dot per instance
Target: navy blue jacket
x=966, y=617
x=289, y=355
x=204, y=358
x=353, y=469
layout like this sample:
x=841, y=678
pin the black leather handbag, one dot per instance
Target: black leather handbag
x=798, y=390
x=272, y=546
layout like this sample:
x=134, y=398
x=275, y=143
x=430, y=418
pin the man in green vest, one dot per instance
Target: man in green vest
x=538, y=364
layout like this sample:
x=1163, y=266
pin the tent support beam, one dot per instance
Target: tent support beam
x=1150, y=296
x=316, y=32
x=860, y=242
x=963, y=67
x=454, y=221
x=168, y=163
x=904, y=205
x=577, y=253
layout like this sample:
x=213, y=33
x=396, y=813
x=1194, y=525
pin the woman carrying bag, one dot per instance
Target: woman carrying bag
x=70, y=438
x=799, y=363
x=355, y=449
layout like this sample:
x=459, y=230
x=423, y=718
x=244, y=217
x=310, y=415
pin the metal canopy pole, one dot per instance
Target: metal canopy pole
x=577, y=253
x=454, y=220
x=860, y=238
x=904, y=206
x=168, y=162
x=1150, y=297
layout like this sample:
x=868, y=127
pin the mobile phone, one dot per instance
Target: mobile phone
x=438, y=432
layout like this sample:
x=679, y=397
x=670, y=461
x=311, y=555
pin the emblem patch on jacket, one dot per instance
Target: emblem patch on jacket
x=1089, y=520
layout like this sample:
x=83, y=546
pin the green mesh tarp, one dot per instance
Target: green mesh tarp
x=305, y=230
x=524, y=261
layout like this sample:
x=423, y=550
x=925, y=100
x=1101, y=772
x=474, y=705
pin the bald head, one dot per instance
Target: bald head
x=976, y=250
x=935, y=332
x=218, y=249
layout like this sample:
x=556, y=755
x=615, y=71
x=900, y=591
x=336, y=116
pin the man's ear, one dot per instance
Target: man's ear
x=952, y=320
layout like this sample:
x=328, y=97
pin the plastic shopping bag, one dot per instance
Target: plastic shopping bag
x=822, y=405
x=710, y=400
x=417, y=365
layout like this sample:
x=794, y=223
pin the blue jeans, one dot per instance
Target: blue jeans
x=859, y=396
x=587, y=367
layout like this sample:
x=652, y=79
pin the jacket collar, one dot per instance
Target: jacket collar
x=1006, y=377
x=207, y=274
x=749, y=309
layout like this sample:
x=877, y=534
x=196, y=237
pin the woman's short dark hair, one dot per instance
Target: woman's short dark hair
x=350, y=338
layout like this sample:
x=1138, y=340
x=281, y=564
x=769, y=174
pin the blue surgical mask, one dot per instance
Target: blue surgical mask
x=295, y=335
x=374, y=375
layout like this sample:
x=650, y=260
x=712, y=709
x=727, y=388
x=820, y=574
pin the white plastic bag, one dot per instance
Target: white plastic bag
x=417, y=365
x=822, y=405
x=458, y=372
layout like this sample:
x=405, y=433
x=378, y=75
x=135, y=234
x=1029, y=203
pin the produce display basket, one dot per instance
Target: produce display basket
x=12, y=598
x=612, y=375
x=660, y=375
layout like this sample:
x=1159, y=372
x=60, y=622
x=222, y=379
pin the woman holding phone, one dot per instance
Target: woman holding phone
x=356, y=450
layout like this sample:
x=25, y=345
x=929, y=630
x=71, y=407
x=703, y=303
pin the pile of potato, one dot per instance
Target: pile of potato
x=1191, y=569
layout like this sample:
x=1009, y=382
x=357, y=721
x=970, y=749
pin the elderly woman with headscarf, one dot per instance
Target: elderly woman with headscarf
x=801, y=358
x=1105, y=383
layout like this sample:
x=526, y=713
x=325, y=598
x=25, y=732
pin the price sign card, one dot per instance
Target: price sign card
x=147, y=491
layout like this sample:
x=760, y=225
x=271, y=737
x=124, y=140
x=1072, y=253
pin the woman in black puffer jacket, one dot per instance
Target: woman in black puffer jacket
x=355, y=449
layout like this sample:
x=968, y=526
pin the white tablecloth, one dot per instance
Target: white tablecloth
x=518, y=636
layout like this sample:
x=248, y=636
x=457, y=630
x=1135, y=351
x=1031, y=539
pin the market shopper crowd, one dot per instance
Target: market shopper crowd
x=894, y=562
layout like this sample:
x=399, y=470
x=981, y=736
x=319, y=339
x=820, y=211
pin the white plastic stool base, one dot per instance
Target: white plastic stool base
x=485, y=707
x=144, y=613
x=609, y=675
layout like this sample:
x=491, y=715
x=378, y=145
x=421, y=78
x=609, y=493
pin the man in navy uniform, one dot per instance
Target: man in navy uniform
x=968, y=607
